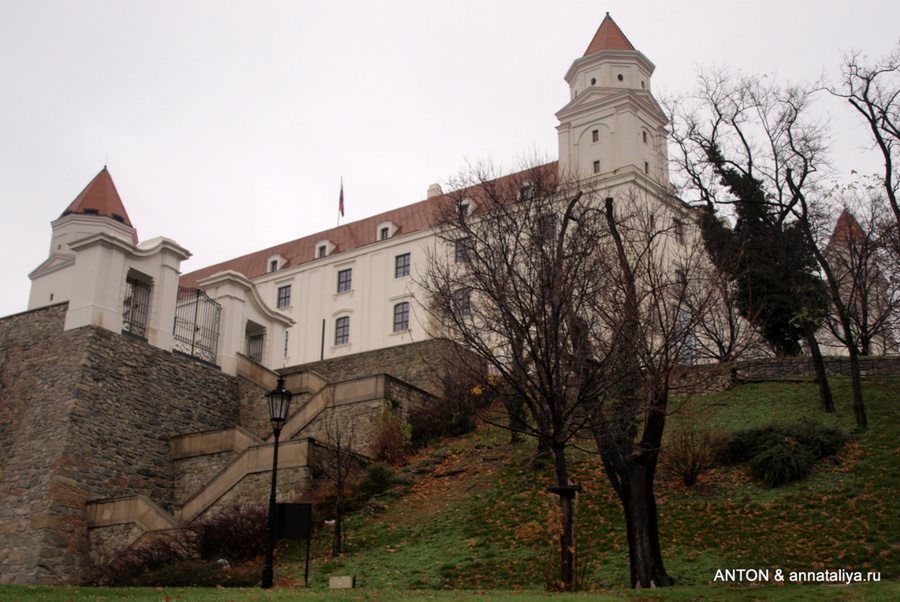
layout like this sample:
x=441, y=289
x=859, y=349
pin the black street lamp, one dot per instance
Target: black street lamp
x=279, y=402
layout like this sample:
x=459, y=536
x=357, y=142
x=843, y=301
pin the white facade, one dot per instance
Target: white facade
x=353, y=288
x=368, y=304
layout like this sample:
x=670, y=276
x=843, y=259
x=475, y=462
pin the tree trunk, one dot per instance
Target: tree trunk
x=819, y=364
x=644, y=552
x=859, y=408
x=567, y=533
x=338, y=525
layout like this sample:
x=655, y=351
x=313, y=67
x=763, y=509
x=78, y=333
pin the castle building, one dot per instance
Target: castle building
x=131, y=394
x=349, y=289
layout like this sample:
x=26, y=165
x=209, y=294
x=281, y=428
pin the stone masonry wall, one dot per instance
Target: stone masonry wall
x=419, y=364
x=87, y=414
x=802, y=367
x=40, y=508
x=193, y=473
x=354, y=425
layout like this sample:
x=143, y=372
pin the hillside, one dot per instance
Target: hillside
x=472, y=512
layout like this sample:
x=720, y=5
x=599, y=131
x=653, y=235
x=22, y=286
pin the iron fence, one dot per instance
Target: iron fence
x=136, y=307
x=197, y=320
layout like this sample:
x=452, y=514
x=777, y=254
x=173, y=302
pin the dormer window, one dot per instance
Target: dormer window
x=324, y=248
x=386, y=229
x=91, y=211
x=465, y=207
x=526, y=190
x=275, y=263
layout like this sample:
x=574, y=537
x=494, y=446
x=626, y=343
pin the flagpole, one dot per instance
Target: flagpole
x=341, y=203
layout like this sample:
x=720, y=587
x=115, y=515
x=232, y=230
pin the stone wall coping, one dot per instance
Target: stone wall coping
x=215, y=441
x=138, y=509
x=31, y=311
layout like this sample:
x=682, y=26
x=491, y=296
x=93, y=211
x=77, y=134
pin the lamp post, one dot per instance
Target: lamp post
x=279, y=402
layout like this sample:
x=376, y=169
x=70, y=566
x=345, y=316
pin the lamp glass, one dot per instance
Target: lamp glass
x=279, y=402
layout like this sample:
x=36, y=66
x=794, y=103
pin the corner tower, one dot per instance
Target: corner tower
x=612, y=126
x=98, y=208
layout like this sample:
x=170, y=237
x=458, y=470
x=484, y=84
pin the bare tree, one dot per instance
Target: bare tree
x=873, y=90
x=337, y=460
x=751, y=146
x=579, y=313
x=860, y=256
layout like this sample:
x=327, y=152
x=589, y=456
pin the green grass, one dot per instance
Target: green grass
x=471, y=519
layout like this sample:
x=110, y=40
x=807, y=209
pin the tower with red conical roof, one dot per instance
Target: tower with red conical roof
x=612, y=126
x=98, y=208
x=109, y=280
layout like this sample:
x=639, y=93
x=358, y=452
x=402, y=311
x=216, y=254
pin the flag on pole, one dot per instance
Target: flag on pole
x=341, y=202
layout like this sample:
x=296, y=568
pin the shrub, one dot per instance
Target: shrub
x=688, y=451
x=377, y=478
x=744, y=445
x=189, y=556
x=392, y=439
x=782, y=454
x=238, y=534
x=818, y=439
x=782, y=463
x=450, y=415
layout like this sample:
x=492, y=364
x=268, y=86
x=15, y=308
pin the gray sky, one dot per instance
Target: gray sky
x=227, y=125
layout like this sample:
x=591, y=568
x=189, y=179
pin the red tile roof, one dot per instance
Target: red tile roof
x=100, y=196
x=846, y=229
x=608, y=37
x=424, y=214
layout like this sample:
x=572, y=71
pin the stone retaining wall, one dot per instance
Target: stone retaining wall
x=87, y=414
x=419, y=364
x=802, y=367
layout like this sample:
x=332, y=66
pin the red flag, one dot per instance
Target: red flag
x=341, y=202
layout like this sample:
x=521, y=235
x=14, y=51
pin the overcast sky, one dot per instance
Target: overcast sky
x=227, y=126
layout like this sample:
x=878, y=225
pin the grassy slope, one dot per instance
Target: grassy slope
x=475, y=514
x=472, y=515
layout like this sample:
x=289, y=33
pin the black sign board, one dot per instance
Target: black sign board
x=292, y=521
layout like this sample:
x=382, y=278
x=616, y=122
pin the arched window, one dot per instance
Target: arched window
x=342, y=330
x=401, y=317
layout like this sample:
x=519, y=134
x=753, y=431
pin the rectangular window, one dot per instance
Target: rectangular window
x=646, y=167
x=285, y=343
x=678, y=230
x=255, y=347
x=401, y=266
x=344, y=280
x=401, y=317
x=284, y=296
x=273, y=265
x=595, y=136
x=464, y=248
x=596, y=166
x=342, y=331
x=461, y=302
x=321, y=253
x=385, y=234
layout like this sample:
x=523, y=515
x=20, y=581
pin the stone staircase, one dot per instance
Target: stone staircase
x=233, y=465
